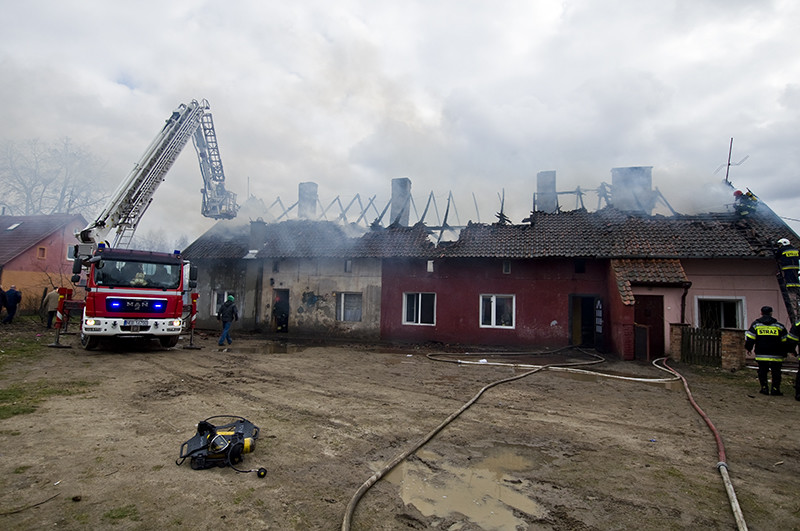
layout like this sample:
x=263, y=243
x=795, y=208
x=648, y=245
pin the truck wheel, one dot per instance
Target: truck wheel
x=168, y=341
x=89, y=342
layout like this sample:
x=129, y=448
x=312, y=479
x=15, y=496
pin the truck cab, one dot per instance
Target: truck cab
x=133, y=293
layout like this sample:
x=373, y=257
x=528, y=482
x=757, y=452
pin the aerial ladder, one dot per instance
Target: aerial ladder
x=133, y=196
x=787, y=258
x=140, y=293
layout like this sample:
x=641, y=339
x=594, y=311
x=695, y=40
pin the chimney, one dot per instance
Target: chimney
x=401, y=201
x=307, y=200
x=258, y=234
x=632, y=189
x=546, y=196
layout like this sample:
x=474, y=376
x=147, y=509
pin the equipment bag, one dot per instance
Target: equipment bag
x=221, y=445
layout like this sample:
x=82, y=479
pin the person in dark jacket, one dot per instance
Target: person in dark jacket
x=13, y=298
x=794, y=338
x=228, y=313
x=768, y=337
x=790, y=265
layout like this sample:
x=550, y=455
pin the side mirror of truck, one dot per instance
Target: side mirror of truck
x=193, y=274
x=76, y=267
x=75, y=279
x=192, y=284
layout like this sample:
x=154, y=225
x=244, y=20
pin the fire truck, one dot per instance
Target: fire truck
x=136, y=293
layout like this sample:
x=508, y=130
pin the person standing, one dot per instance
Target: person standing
x=768, y=337
x=794, y=338
x=790, y=264
x=50, y=305
x=13, y=298
x=228, y=313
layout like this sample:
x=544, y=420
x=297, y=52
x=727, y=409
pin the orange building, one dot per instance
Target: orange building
x=36, y=254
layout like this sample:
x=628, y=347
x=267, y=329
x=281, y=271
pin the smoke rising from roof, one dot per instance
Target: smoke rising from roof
x=470, y=99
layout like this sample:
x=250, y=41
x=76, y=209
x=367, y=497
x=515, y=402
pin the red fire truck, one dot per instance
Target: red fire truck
x=132, y=293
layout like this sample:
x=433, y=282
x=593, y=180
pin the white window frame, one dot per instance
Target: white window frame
x=493, y=309
x=740, y=302
x=418, y=313
x=217, y=301
x=340, y=306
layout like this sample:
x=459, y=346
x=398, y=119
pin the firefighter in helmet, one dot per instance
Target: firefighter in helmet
x=788, y=260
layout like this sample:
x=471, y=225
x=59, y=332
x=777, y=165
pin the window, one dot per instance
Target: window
x=497, y=311
x=506, y=267
x=430, y=266
x=41, y=253
x=719, y=313
x=580, y=265
x=419, y=308
x=348, y=266
x=220, y=297
x=348, y=307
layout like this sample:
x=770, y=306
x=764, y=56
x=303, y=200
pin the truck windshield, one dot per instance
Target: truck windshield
x=118, y=273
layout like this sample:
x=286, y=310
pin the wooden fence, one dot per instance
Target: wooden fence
x=701, y=346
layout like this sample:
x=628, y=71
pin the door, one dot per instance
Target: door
x=648, y=311
x=280, y=310
x=587, y=320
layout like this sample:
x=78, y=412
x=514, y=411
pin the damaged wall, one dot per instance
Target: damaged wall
x=323, y=295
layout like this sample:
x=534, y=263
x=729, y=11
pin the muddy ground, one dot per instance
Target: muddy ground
x=552, y=450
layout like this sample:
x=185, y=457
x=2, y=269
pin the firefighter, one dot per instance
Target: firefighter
x=794, y=338
x=768, y=336
x=745, y=203
x=788, y=260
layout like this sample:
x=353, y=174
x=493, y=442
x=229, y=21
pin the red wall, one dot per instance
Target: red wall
x=542, y=289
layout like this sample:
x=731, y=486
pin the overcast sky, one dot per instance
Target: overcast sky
x=462, y=96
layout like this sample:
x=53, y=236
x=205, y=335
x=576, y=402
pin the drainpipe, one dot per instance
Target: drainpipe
x=686, y=286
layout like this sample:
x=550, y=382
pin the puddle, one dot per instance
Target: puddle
x=487, y=493
x=267, y=347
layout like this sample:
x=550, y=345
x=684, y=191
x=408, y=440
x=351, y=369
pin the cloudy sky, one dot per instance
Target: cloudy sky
x=473, y=97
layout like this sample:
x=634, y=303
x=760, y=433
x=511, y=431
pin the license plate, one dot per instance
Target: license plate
x=136, y=322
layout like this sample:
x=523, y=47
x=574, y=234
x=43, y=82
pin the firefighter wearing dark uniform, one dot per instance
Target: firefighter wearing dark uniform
x=790, y=264
x=768, y=336
x=794, y=338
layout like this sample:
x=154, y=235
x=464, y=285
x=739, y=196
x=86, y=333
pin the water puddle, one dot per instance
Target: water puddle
x=267, y=347
x=488, y=493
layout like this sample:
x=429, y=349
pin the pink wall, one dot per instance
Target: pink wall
x=751, y=281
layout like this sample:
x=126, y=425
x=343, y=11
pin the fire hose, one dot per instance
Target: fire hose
x=722, y=465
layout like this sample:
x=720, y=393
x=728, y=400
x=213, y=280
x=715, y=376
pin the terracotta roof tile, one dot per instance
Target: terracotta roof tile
x=19, y=233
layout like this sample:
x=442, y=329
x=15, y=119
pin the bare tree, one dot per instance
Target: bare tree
x=41, y=178
x=154, y=240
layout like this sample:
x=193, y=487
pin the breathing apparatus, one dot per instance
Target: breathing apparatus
x=221, y=445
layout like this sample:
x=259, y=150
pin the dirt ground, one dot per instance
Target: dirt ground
x=550, y=451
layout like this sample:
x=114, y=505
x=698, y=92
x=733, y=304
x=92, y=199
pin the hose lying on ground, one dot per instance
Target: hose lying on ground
x=346, y=522
x=563, y=367
x=722, y=465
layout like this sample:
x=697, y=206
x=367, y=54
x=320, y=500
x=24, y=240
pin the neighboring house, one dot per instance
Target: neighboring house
x=600, y=279
x=313, y=277
x=36, y=253
x=608, y=279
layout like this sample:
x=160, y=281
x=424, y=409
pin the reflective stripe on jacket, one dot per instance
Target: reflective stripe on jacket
x=768, y=336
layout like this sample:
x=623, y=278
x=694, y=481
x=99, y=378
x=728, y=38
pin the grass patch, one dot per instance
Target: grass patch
x=129, y=512
x=20, y=399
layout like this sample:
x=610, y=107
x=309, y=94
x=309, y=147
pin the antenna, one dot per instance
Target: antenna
x=729, y=164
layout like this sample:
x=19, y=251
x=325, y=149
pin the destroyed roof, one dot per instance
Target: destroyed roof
x=20, y=233
x=611, y=233
x=316, y=239
x=224, y=240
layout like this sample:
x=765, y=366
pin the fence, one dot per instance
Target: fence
x=701, y=346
